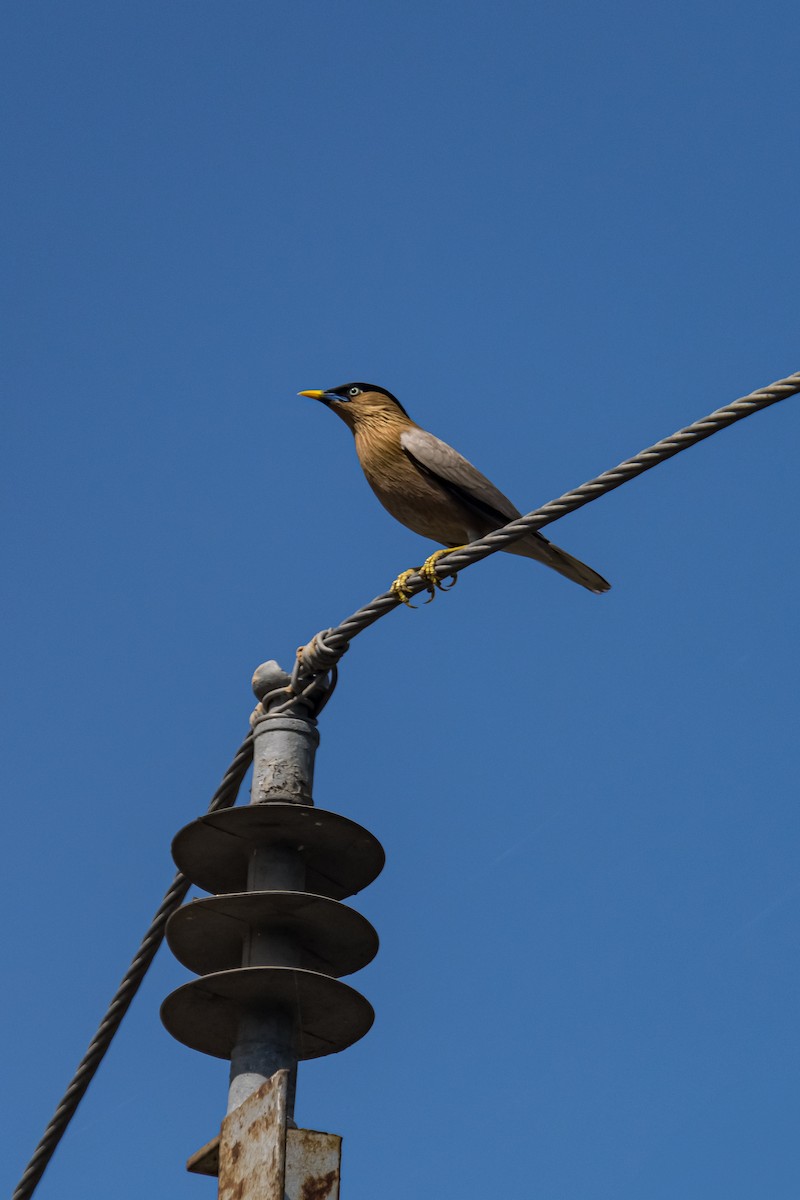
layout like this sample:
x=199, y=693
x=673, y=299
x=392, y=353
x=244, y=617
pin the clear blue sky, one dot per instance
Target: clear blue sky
x=557, y=232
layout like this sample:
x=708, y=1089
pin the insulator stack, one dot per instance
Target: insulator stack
x=272, y=942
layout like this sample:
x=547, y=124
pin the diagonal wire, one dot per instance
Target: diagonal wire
x=224, y=797
x=319, y=658
x=328, y=646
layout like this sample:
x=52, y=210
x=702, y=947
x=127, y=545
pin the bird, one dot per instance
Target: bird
x=432, y=489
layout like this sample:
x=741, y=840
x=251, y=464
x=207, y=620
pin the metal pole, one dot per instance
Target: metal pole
x=270, y=946
x=283, y=770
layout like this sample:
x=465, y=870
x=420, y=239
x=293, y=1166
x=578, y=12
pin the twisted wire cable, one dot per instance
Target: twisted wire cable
x=335, y=641
x=317, y=660
x=224, y=797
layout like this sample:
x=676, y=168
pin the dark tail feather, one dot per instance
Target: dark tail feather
x=539, y=548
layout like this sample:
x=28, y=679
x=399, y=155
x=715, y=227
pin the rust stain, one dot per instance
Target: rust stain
x=318, y=1187
x=253, y=1145
x=277, y=777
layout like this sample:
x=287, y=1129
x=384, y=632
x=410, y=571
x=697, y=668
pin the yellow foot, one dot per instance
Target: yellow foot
x=398, y=588
x=427, y=572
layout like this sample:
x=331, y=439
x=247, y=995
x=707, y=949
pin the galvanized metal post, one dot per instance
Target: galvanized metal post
x=283, y=771
x=271, y=946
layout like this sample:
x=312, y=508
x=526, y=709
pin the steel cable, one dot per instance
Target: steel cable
x=337, y=639
x=224, y=797
x=318, y=658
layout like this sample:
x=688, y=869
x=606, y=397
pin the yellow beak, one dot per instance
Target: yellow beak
x=313, y=395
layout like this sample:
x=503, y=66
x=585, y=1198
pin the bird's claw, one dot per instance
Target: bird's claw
x=399, y=590
x=427, y=573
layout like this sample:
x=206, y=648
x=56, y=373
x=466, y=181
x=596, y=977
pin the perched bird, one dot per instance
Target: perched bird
x=429, y=487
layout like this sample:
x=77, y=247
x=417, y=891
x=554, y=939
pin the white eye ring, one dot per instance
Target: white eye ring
x=355, y=391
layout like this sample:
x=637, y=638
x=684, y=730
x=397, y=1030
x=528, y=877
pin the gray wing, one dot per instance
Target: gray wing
x=446, y=467
x=457, y=476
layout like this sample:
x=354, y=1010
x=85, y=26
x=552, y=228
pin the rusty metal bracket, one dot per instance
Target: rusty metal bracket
x=252, y=1145
x=256, y=1157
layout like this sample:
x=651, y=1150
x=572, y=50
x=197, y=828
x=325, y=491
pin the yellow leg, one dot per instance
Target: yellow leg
x=398, y=588
x=427, y=572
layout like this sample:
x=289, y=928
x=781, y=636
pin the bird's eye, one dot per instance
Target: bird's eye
x=354, y=391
